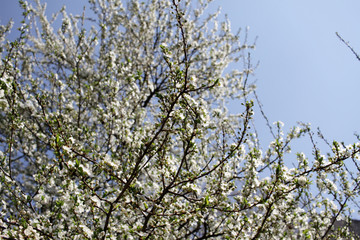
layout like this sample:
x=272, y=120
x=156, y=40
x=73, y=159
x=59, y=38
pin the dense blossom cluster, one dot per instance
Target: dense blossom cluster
x=113, y=125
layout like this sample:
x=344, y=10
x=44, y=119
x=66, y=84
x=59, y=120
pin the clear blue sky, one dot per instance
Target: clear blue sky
x=305, y=72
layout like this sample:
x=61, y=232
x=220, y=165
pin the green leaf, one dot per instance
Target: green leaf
x=206, y=200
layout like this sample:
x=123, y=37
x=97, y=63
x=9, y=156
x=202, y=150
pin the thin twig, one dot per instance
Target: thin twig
x=263, y=114
x=348, y=45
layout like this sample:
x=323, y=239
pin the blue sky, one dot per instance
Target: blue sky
x=305, y=73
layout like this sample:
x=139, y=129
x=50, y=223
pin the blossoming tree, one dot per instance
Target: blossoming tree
x=113, y=125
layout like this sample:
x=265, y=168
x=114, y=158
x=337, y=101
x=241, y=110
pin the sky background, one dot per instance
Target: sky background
x=305, y=72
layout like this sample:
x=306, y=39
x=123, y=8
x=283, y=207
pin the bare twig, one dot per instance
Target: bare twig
x=263, y=114
x=348, y=45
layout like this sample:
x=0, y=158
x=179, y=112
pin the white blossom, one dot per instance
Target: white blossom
x=302, y=181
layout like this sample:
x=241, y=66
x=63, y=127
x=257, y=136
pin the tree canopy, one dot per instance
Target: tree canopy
x=114, y=125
